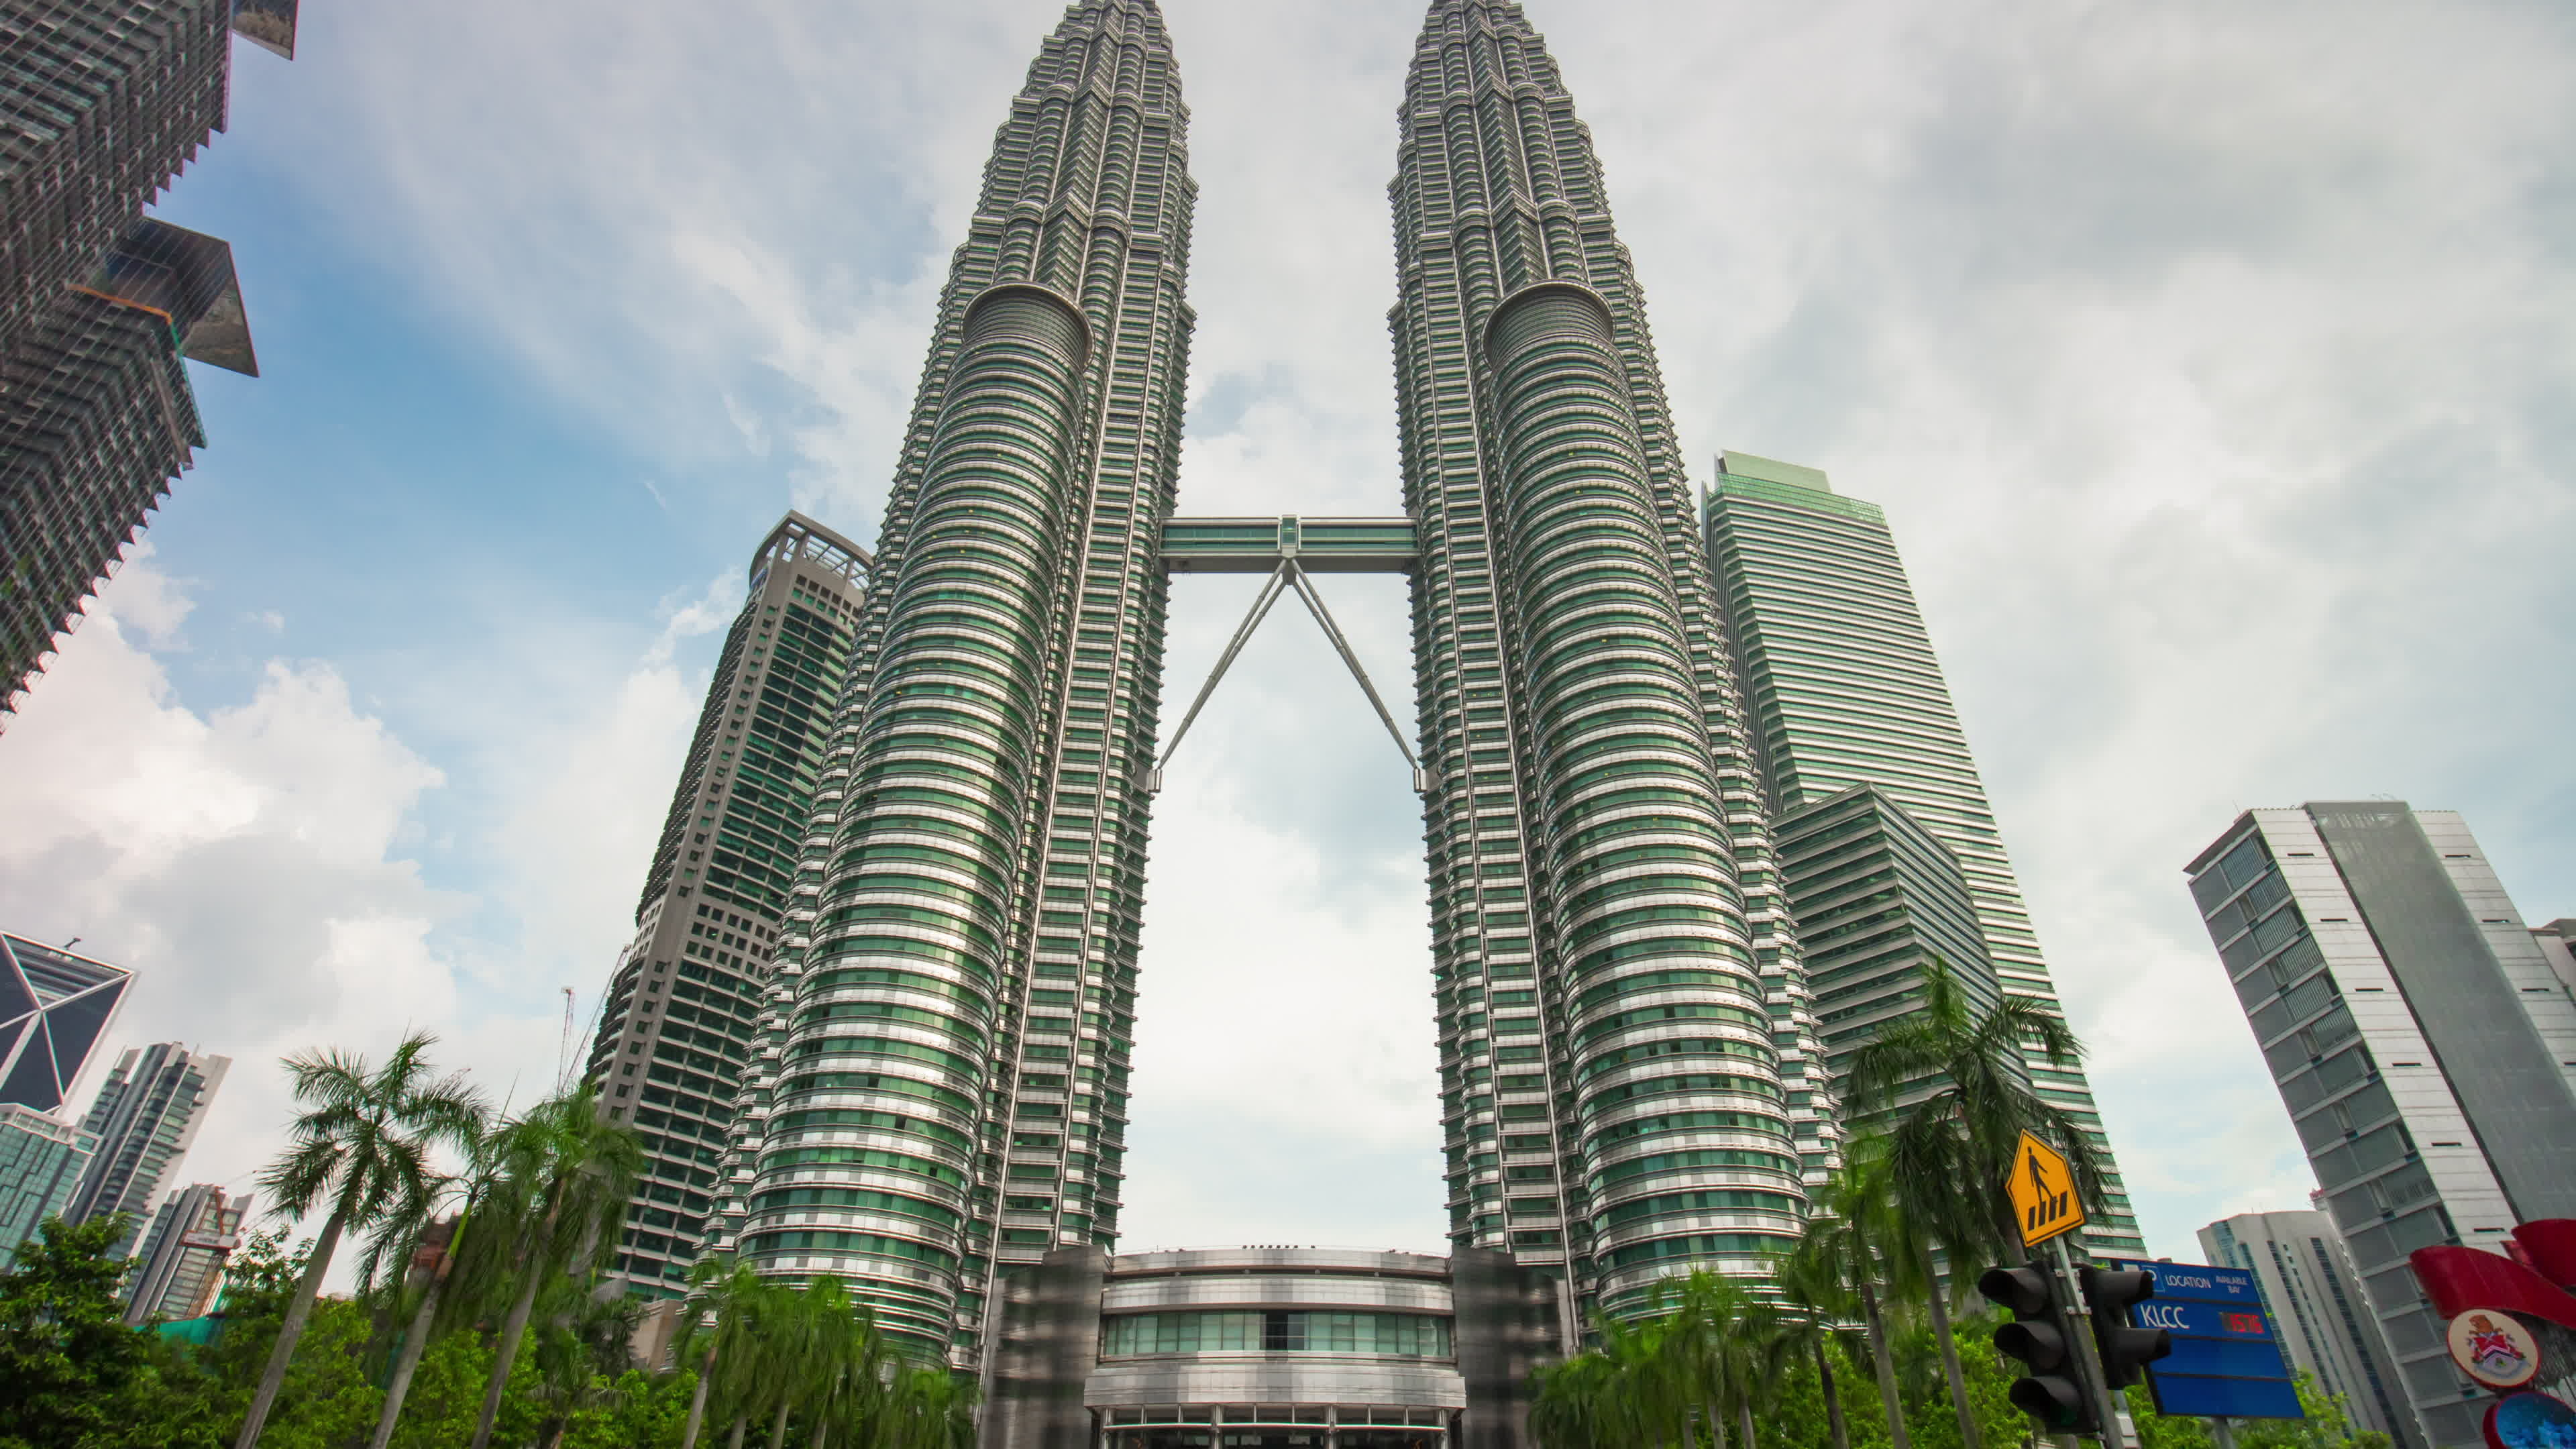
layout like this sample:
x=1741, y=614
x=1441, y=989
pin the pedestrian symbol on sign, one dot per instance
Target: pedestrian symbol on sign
x=2042, y=1189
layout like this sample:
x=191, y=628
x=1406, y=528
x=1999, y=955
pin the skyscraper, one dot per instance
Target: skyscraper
x=2299, y=1263
x=1623, y=1015
x=1878, y=898
x=105, y=100
x=41, y=1160
x=1845, y=690
x=950, y=1097
x=54, y=1008
x=2419, y=1040
x=144, y=1118
x=181, y=1262
x=677, y=1021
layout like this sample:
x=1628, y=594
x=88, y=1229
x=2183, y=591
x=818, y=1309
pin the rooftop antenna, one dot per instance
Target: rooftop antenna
x=74, y=941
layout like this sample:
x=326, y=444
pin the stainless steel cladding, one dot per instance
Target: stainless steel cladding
x=1306, y=1346
x=950, y=1089
x=1624, y=1019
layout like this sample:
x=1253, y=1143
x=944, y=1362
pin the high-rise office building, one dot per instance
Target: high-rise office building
x=677, y=1022
x=105, y=100
x=144, y=1118
x=2419, y=1039
x=1879, y=899
x=54, y=1008
x=180, y=1266
x=1844, y=689
x=41, y=1160
x=2324, y=1324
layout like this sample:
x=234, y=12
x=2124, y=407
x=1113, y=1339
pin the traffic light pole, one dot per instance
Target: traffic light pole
x=2088, y=1363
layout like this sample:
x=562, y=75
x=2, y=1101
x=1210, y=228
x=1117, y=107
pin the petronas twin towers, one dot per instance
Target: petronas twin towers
x=1632, y=1084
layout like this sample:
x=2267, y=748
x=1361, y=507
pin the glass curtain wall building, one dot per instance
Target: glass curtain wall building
x=2421, y=1043
x=55, y=1008
x=145, y=1117
x=949, y=1096
x=41, y=1161
x=1845, y=690
x=1878, y=897
x=681, y=1011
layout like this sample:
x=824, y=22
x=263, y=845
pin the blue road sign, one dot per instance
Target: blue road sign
x=2226, y=1361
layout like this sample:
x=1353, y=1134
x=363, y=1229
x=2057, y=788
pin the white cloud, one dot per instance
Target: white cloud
x=244, y=863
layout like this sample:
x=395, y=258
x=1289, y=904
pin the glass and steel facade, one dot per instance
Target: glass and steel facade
x=2419, y=1040
x=180, y=1265
x=1625, y=1047
x=41, y=1160
x=105, y=101
x=2305, y=1275
x=1844, y=689
x=1878, y=899
x=145, y=1117
x=949, y=1092
x=682, y=1011
x=55, y=1008
x=1268, y=1346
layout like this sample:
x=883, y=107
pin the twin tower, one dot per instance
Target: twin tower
x=1632, y=1083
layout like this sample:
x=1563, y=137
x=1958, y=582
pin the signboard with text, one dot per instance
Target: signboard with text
x=2226, y=1361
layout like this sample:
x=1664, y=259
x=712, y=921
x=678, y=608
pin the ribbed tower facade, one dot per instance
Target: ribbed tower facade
x=1626, y=1042
x=949, y=1092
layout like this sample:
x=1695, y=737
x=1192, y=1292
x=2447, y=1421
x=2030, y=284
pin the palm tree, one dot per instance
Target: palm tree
x=398, y=1242
x=1917, y=1219
x=1946, y=1153
x=1818, y=1301
x=725, y=1293
x=927, y=1407
x=561, y=1177
x=1964, y=1130
x=1840, y=1245
x=362, y=1144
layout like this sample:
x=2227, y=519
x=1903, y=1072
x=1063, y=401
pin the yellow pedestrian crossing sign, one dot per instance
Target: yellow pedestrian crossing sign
x=2042, y=1189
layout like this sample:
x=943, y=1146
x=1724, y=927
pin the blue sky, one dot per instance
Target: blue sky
x=2213, y=362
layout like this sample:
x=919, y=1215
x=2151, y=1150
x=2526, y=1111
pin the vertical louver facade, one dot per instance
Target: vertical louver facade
x=949, y=1095
x=1627, y=1051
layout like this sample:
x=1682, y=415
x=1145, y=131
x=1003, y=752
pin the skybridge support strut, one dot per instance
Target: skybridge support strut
x=1285, y=577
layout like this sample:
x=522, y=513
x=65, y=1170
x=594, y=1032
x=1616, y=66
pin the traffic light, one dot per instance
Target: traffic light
x=2126, y=1351
x=2041, y=1337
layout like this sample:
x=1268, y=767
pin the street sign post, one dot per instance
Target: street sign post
x=2226, y=1361
x=2042, y=1191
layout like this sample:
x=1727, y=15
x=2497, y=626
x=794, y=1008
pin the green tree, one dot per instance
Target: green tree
x=386, y=1276
x=1840, y=1246
x=363, y=1146
x=66, y=1356
x=1950, y=1089
x=560, y=1180
x=1967, y=1074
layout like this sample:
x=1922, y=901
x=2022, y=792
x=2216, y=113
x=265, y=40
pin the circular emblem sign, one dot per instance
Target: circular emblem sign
x=2529, y=1421
x=2493, y=1349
